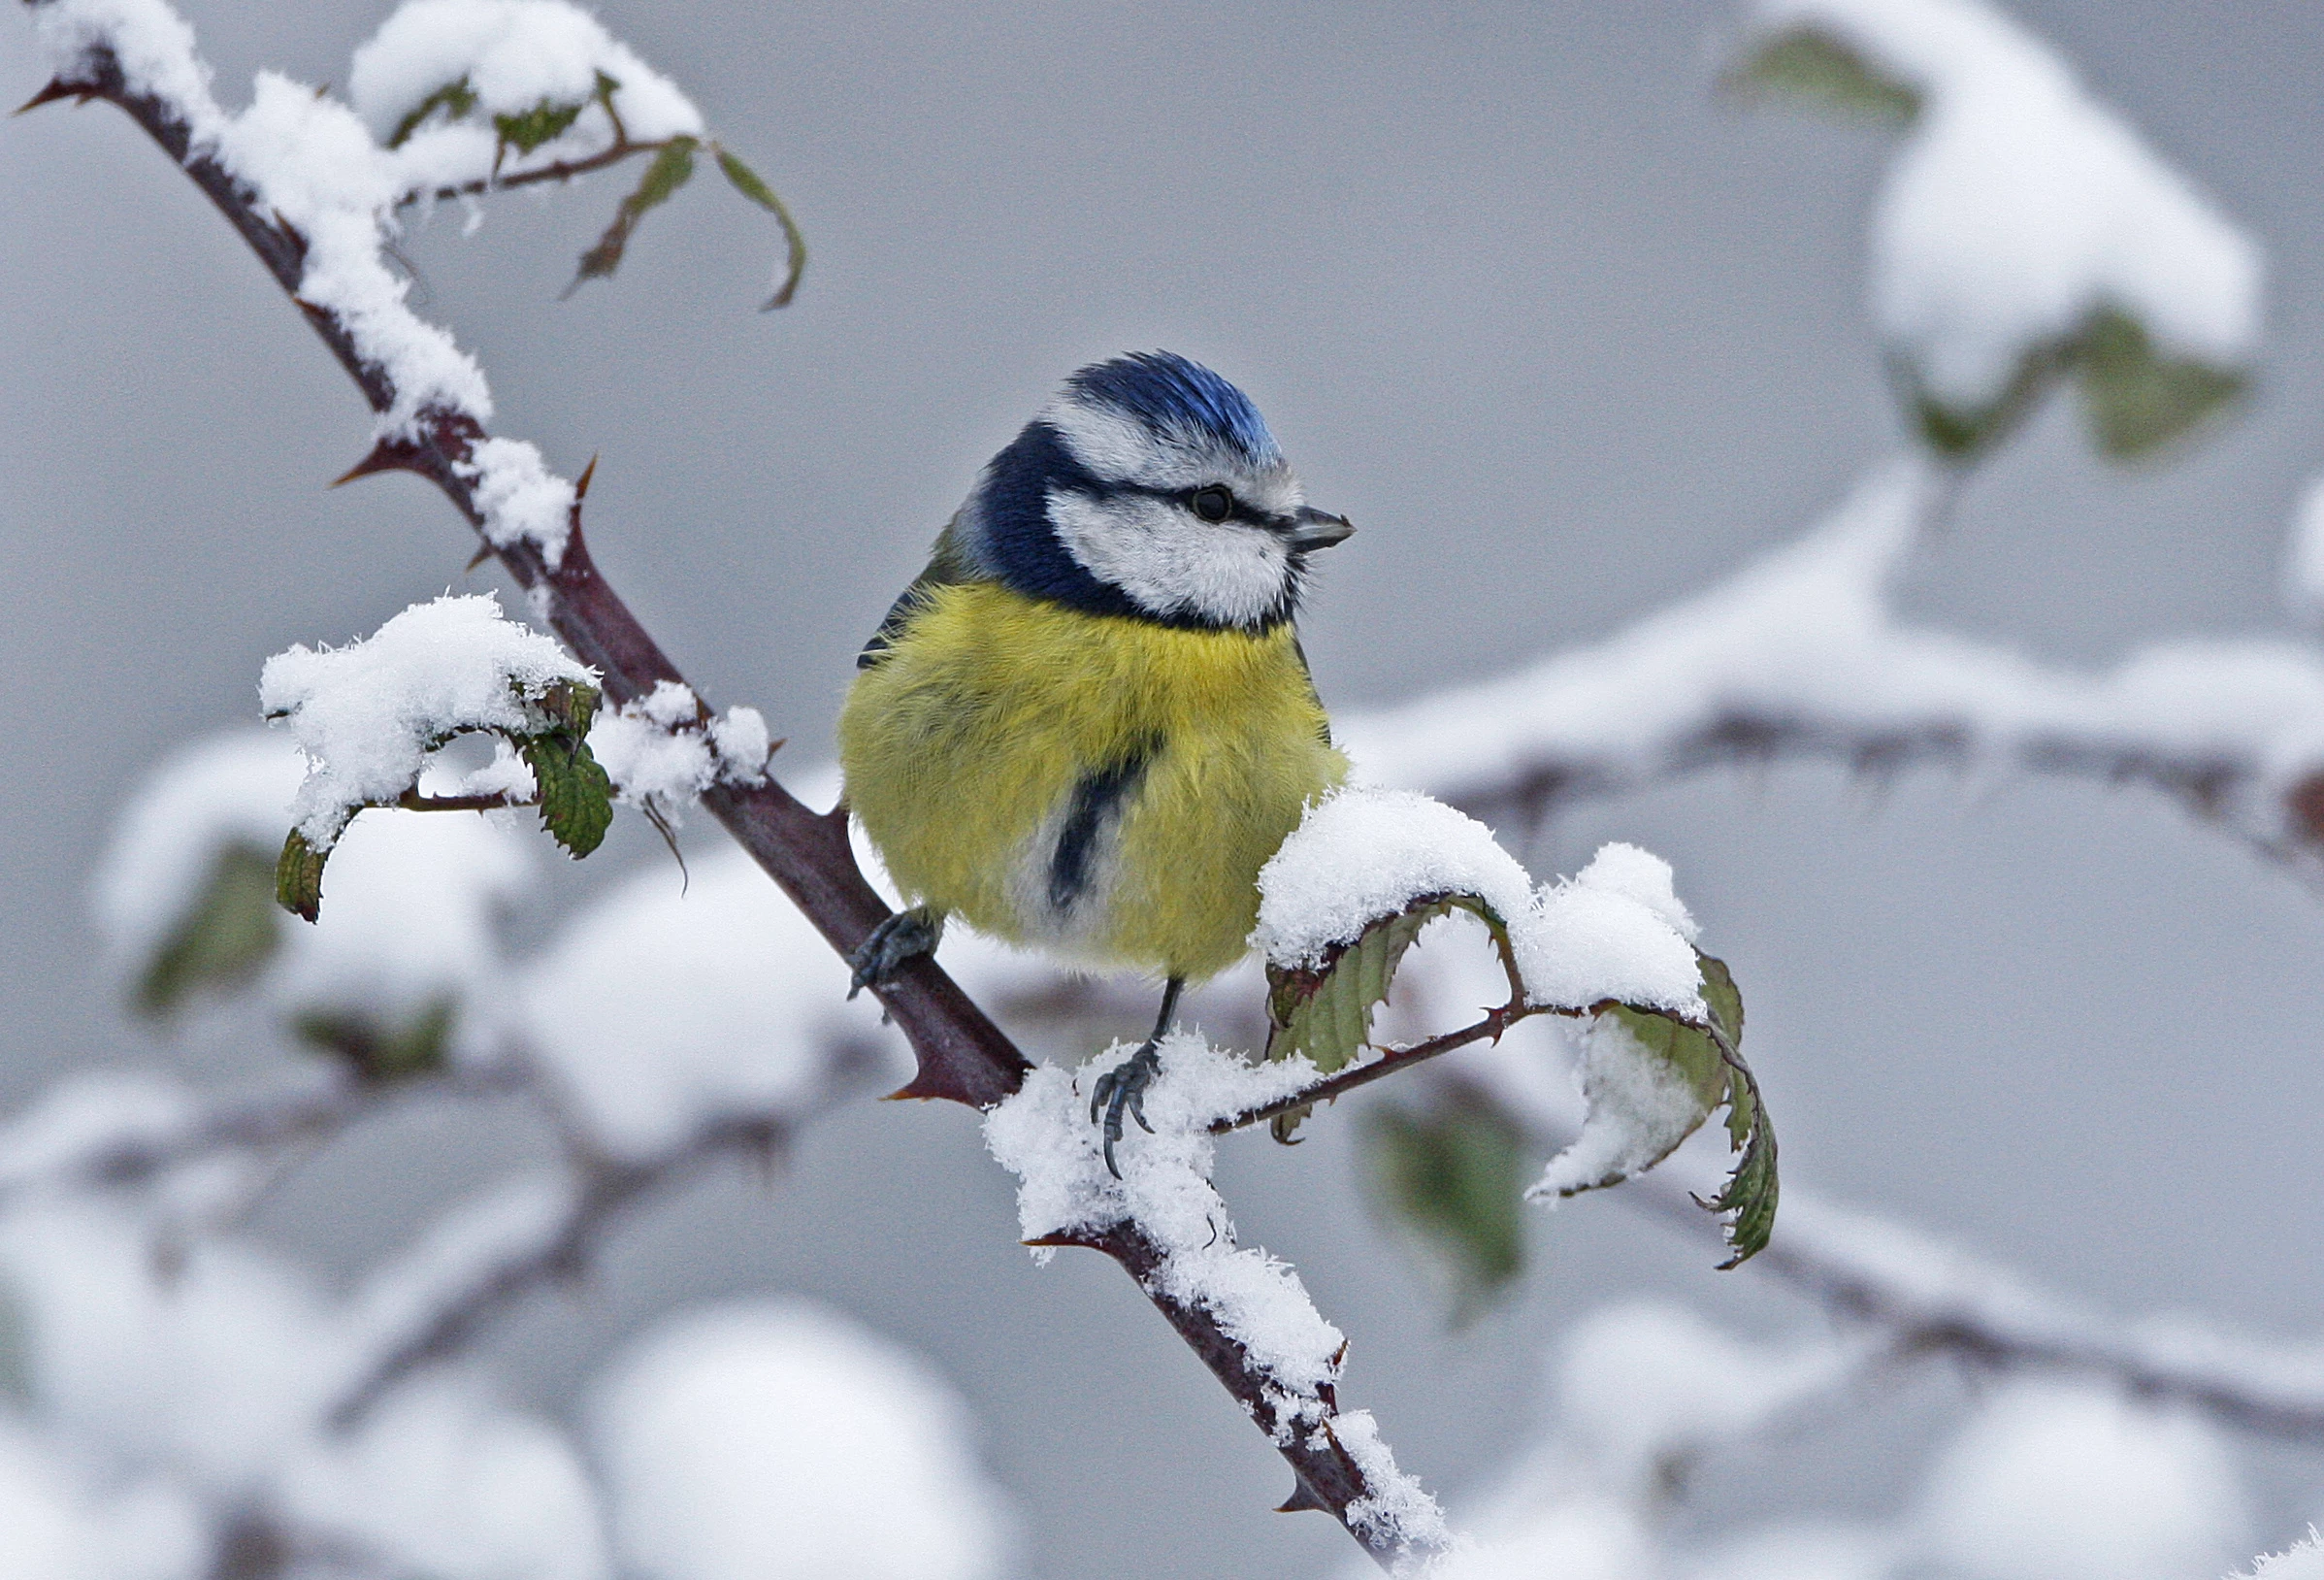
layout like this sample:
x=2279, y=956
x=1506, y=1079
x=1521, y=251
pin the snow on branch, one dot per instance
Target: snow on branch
x=1801, y=655
x=1287, y=1356
x=1368, y=870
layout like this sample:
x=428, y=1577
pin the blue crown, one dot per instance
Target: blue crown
x=1178, y=399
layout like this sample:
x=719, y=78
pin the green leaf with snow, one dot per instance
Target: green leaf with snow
x=1811, y=64
x=1325, y=1012
x=1639, y=1115
x=672, y=169
x=746, y=182
x=2138, y=398
x=454, y=99
x=1454, y=1175
x=299, y=876
x=576, y=797
x=224, y=939
x=544, y=122
x=380, y=1051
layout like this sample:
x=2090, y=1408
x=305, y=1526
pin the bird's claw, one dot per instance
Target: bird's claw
x=892, y=945
x=1122, y=1090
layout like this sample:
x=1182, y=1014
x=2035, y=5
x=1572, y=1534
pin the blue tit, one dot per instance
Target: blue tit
x=1089, y=723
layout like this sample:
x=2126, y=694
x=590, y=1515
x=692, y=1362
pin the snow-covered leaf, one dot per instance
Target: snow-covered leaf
x=2025, y=234
x=1453, y=1175
x=455, y=99
x=1650, y=1078
x=1325, y=1012
x=528, y=129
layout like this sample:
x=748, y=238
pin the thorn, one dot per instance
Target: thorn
x=580, y=489
x=387, y=455
x=58, y=88
x=474, y=560
x=1302, y=1498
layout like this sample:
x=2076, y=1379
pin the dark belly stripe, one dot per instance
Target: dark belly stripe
x=1095, y=798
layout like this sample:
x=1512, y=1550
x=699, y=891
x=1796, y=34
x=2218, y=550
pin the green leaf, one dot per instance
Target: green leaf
x=454, y=98
x=746, y=182
x=1455, y=1176
x=2136, y=398
x=1325, y=1011
x=1809, y=64
x=380, y=1051
x=299, y=876
x=225, y=937
x=577, y=798
x=1707, y=1057
x=669, y=170
x=528, y=129
x=1963, y=433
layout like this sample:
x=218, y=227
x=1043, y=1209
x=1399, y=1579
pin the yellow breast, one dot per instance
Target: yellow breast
x=1101, y=786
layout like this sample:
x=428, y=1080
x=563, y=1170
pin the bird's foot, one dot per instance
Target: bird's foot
x=1122, y=1090
x=893, y=944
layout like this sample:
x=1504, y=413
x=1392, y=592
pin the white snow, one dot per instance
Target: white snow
x=2303, y=557
x=2302, y=1560
x=1361, y=854
x=2020, y=205
x=1042, y=1133
x=521, y=499
x=414, y=895
x=514, y=56
x=659, y=753
x=315, y=165
x=667, y=1006
x=777, y=1440
x=2059, y=1481
x=1639, y=1109
x=368, y=714
x=1615, y=931
x=1645, y=1385
x=1804, y=643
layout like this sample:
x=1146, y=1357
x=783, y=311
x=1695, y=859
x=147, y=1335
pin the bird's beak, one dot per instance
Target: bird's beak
x=1313, y=529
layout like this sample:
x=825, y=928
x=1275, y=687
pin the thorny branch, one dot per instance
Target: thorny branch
x=963, y=1055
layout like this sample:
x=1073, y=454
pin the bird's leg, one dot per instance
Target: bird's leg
x=1123, y=1088
x=893, y=943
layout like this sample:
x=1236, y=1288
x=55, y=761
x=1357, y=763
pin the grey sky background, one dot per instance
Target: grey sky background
x=1565, y=334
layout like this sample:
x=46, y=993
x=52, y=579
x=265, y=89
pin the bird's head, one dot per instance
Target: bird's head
x=1150, y=487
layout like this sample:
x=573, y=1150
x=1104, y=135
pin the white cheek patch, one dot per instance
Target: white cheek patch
x=1168, y=563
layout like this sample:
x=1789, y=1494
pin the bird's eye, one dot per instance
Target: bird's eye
x=1213, y=504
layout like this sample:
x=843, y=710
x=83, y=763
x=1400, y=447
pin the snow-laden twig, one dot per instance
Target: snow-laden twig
x=299, y=179
x=1802, y=655
x=1163, y=1220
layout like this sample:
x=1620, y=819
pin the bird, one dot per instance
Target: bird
x=1089, y=722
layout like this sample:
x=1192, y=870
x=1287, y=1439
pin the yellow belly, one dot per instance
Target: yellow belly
x=969, y=745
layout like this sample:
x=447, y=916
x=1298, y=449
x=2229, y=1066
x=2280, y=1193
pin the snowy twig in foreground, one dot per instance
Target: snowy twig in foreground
x=305, y=189
x=1800, y=655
